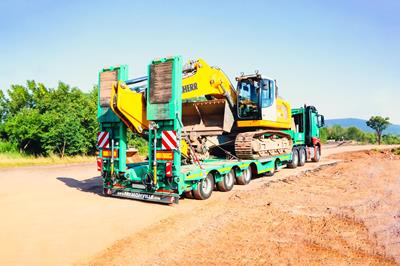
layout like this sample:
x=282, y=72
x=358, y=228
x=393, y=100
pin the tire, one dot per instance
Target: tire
x=302, y=157
x=272, y=172
x=204, y=188
x=227, y=183
x=295, y=159
x=188, y=194
x=317, y=155
x=245, y=178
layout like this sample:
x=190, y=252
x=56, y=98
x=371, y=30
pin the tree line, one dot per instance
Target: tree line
x=339, y=133
x=39, y=120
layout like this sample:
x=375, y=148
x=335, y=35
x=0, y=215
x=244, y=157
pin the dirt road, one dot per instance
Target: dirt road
x=55, y=215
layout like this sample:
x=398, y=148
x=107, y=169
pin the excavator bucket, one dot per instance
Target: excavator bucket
x=211, y=117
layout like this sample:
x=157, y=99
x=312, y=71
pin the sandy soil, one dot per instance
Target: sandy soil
x=346, y=213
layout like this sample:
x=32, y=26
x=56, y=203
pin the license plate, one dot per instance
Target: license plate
x=139, y=186
x=145, y=196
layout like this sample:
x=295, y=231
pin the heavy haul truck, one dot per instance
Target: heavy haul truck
x=203, y=133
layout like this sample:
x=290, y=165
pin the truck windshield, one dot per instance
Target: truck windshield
x=249, y=91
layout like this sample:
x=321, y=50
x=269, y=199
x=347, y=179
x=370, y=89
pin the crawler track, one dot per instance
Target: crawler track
x=254, y=145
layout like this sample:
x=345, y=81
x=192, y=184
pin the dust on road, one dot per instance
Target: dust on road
x=345, y=214
x=55, y=215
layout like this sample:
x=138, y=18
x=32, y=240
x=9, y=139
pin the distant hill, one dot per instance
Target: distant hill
x=361, y=124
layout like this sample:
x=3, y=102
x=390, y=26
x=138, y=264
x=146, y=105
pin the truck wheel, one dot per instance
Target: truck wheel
x=302, y=157
x=226, y=184
x=295, y=159
x=245, y=178
x=204, y=188
x=317, y=155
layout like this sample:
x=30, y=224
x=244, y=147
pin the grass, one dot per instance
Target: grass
x=396, y=151
x=14, y=159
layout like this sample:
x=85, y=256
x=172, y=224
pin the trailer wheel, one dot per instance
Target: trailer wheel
x=295, y=159
x=204, y=188
x=302, y=156
x=245, y=178
x=272, y=172
x=227, y=183
x=317, y=155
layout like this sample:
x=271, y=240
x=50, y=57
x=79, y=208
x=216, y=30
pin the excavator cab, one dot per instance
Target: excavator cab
x=258, y=104
x=256, y=97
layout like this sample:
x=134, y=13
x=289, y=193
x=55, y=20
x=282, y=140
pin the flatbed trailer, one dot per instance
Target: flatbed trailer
x=193, y=174
x=164, y=177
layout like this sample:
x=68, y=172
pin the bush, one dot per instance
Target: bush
x=139, y=143
x=338, y=133
x=396, y=151
x=391, y=139
x=8, y=147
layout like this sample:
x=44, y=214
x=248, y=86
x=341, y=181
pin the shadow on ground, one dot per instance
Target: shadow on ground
x=92, y=185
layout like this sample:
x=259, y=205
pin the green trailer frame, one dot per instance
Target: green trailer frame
x=190, y=177
x=149, y=180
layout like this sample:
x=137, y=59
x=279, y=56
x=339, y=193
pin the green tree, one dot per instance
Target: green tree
x=353, y=133
x=323, y=134
x=19, y=99
x=391, y=139
x=25, y=129
x=336, y=132
x=379, y=124
x=41, y=120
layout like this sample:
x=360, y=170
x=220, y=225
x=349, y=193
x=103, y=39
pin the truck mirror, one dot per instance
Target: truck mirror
x=321, y=121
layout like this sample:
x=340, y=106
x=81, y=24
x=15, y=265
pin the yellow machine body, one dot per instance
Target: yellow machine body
x=283, y=118
x=209, y=99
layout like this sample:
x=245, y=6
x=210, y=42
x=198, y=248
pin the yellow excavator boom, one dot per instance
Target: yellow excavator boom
x=200, y=79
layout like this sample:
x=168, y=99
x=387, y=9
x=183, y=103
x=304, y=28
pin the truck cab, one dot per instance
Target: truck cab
x=306, y=124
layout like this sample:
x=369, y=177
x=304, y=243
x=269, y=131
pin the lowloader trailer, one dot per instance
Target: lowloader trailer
x=165, y=177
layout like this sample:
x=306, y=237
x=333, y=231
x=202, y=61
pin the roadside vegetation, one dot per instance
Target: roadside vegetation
x=42, y=125
x=379, y=124
x=41, y=121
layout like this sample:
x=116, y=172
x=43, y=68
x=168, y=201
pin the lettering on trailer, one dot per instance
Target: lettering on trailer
x=103, y=139
x=168, y=140
x=137, y=195
x=189, y=87
x=144, y=196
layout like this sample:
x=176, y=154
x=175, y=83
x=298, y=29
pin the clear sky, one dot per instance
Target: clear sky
x=341, y=56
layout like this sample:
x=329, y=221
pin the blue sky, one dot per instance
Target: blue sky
x=341, y=56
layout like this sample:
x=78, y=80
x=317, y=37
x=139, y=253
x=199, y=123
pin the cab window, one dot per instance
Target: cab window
x=267, y=93
x=249, y=92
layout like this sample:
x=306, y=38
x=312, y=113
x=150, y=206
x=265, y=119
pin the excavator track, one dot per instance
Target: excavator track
x=254, y=145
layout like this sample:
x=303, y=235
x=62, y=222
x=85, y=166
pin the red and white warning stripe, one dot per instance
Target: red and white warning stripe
x=168, y=140
x=168, y=169
x=103, y=139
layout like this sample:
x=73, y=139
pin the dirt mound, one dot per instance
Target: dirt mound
x=377, y=154
x=345, y=214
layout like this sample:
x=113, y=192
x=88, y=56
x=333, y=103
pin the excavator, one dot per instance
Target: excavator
x=246, y=121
